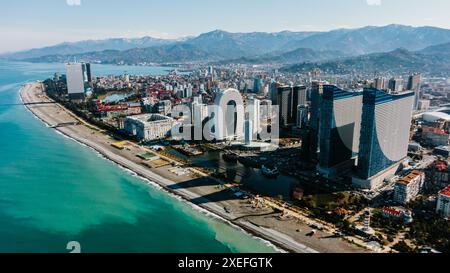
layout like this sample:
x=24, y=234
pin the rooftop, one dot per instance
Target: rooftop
x=433, y=130
x=375, y=96
x=445, y=191
x=410, y=177
x=392, y=211
x=435, y=116
x=332, y=92
x=441, y=166
x=150, y=117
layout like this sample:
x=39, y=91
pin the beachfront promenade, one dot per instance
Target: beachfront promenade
x=290, y=234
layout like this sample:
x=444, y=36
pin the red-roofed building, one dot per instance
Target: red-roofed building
x=443, y=204
x=114, y=110
x=441, y=166
x=438, y=174
x=391, y=212
x=435, y=136
x=407, y=188
x=446, y=191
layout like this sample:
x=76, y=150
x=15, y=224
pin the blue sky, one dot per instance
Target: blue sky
x=30, y=23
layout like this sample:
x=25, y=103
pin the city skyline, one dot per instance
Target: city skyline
x=30, y=24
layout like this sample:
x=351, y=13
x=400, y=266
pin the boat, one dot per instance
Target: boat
x=230, y=157
x=270, y=171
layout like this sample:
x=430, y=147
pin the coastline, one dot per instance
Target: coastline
x=52, y=114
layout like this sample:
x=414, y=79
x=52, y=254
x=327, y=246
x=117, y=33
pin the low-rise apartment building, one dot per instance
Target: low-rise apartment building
x=407, y=188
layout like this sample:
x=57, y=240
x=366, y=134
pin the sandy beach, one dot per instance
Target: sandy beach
x=288, y=234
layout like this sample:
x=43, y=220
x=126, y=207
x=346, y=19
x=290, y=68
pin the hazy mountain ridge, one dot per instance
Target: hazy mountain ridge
x=72, y=48
x=234, y=45
x=441, y=49
x=296, y=56
x=434, y=59
x=256, y=47
x=377, y=39
x=160, y=54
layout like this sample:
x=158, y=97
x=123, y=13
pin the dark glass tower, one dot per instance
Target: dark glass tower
x=314, y=121
x=298, y=98
x=88, y=72
x=285, y=105
x=340, y=125
x=289, y=98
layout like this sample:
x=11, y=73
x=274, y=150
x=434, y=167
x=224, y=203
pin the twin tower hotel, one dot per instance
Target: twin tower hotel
x=366, y=132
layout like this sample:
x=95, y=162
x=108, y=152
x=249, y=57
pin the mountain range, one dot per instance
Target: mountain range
x=88, y=46
x=258, y=47
x=375, y=39
x=298, y=55
x=434, y=59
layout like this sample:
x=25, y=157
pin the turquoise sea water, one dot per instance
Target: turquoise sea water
x=54, y=190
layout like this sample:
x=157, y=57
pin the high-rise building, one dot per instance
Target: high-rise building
x=340, y=126
x=414, y=85
x=187, y=92
x=284, y=100
x=299, y=98
x=414, y=82
x=199, y=116
x=396, y=85
x=126, y=78
x=314, y=120
x=385, y=131
x=258, y=85
x=88, y=72
x=77, y=77
x=265, y=109
x=302, y=116
x=424, y=105
x=273, y=92
x=248, y=132
x=289, y=98
x=267, y=114
x=254, y=113
x=380, y=83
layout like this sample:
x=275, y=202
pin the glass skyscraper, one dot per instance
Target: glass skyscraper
x=340, y=125
x=299, y=98
x=385, y=130
x=289, y=98
x=314, y=121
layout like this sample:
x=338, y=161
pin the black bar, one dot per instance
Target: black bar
x=260, y=263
